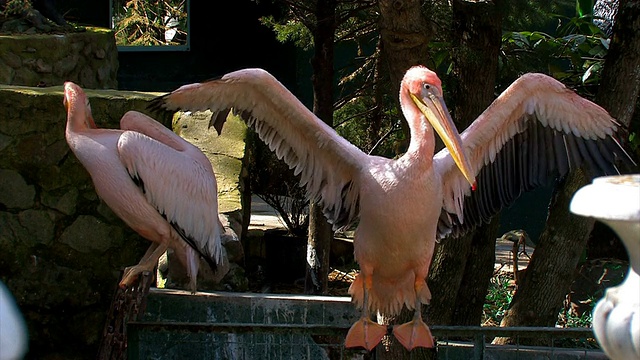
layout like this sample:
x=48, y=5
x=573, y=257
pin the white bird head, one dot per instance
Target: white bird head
x=425, y=89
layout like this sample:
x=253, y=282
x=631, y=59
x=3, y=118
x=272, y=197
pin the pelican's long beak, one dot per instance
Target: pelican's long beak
x=66, y=99
x=77, y=105
x=435, y=110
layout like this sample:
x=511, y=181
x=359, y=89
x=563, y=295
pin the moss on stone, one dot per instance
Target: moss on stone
x=225, y=152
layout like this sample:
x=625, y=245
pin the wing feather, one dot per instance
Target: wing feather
x=535, y=131
x=179, y=187
x=325, y=160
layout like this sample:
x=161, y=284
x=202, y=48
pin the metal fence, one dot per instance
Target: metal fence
x=185, y=340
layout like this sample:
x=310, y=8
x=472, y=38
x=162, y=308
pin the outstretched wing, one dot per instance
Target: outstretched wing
x=180, y=186
x=327, y=163
x=535, y=131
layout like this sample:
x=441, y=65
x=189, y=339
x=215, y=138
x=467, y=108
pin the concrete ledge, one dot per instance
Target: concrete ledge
x=177, y=325
x=227, y=307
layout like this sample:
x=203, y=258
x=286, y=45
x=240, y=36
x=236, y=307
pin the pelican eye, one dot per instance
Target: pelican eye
x=431, y=90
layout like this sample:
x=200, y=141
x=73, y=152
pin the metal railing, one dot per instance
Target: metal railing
x=309, y=341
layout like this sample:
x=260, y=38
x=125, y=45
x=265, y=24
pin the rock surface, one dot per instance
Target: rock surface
x=88, y=58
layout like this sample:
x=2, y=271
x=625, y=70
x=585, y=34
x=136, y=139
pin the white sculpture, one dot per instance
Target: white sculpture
x=13, y=331
x=615, y=200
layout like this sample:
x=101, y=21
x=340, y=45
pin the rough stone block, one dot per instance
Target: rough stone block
x=89, y=58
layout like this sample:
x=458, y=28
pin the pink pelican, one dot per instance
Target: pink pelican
x=533, y=131
x=160, y=185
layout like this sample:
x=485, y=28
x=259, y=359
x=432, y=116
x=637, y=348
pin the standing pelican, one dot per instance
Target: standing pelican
x=532, y=132
x=159, y=184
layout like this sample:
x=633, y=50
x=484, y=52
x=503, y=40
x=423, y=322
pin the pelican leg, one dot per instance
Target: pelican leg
x=416, y=333
x=365, y=332
x=147, y=263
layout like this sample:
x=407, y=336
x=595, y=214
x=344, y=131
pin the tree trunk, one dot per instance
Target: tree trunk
x=477, y=28
x=620, y=83
x=477, y=32
x=468, y=259
x=554, y=261
x=469, y=302
x=320, y=232
x=405, y=36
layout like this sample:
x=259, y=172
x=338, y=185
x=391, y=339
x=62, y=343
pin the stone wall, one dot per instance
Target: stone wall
x=62, y=248
x=88, y=58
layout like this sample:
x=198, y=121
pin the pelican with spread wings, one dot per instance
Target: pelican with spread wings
x=535, y=130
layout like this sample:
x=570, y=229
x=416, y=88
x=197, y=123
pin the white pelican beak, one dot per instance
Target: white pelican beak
x=435, y=110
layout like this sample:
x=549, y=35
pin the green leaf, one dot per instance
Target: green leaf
x=584, y=7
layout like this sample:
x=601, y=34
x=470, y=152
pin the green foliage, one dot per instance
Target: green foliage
x=584, y=7
x=569, y=319
x=634, y=141
x=500, y=294
x=290, y=31
x=15, y=8
x=498, y=298
x=534, y=15
x=145, y=22
x=575, y=56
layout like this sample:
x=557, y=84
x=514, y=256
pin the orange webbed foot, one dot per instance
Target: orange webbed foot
x=365, y=333
x=414, y=334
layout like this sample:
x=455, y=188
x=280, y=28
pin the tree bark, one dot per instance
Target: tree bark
x=620, y=80
x=320, y=232
x=469, y=301
x=462, y=267
x=405, y=36
x=554, y=261
x=477, y=32
x=620, y=83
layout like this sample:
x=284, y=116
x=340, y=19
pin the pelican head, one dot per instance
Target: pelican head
x=77, y=105
x=425, y=89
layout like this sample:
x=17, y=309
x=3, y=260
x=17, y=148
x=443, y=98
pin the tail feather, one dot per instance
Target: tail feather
x=388, y=297
x=192, y=267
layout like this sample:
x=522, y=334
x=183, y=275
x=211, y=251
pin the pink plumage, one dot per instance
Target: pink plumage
x=536, y=130
x=160, y=185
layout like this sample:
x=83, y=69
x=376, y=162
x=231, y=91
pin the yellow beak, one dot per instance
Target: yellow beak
x=435, y=110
